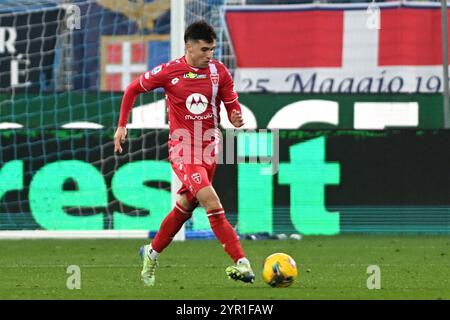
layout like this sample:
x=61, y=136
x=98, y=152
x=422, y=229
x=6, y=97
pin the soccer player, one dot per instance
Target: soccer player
x=195, y=85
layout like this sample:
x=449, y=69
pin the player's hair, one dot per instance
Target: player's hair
x=200, y=30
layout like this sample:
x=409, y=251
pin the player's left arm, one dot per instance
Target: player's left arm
x=235, y=113
x=230, y=97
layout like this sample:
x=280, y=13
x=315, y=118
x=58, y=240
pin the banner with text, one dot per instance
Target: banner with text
x=28, y=49
x=321, y=182
x=325, y=48
x=260, y=111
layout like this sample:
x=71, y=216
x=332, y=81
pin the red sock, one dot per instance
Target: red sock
x=225, y=234
x=169, y=227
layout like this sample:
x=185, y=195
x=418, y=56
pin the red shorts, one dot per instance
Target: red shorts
x=193, y=176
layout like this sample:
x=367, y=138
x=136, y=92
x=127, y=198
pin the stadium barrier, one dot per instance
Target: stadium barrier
x=327, y=182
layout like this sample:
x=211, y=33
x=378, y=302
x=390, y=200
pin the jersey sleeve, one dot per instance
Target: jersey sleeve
x=156, y=78
x=227, y=93
x=128, y=100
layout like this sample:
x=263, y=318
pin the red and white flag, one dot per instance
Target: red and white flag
x=336, y=48
x=123, y=60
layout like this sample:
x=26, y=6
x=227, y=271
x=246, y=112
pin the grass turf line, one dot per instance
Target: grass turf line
x=335, y=267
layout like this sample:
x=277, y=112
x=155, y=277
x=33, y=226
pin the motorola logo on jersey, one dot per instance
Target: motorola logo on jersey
x=199, y=118
x=196, y=103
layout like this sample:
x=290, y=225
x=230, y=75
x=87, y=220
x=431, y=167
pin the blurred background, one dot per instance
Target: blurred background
x=344, y=97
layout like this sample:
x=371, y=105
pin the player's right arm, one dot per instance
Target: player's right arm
x=128, y=99
x=145, y=83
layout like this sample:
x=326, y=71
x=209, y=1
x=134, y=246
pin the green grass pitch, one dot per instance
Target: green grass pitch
x=335, y=267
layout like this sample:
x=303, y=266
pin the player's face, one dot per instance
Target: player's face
x=199, y=53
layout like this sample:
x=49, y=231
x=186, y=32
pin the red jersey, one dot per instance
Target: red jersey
x=193, y=95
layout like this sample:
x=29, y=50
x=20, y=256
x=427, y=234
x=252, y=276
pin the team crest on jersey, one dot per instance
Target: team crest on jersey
x=196, y=103
x=192, y=75
x=156, y=70
x=197, y=178
x=215, y=79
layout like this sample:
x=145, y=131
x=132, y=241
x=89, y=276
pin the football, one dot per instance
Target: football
x=279, y=270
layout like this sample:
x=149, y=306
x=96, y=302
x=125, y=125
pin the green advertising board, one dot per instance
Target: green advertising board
x=283, y=111
x=320, y=182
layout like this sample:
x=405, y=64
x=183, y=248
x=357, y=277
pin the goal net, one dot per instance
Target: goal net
x=63, y=68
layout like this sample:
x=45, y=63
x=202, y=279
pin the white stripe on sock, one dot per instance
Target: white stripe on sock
x=182, y=210
x=212, y=214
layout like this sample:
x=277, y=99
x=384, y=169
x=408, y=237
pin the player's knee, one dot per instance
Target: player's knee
x=208, y=198
x=190, y=203
x=209, y=201
x=211, y=204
